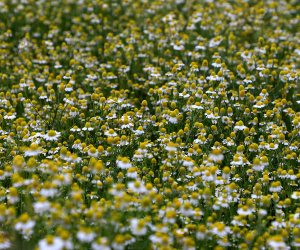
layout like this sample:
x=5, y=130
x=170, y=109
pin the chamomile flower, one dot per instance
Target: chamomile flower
x=137, y=187
x=257, y=166
x=87, y=127
x=93, y=152
x=85, y=235
x=295, y=195
x=41, y=206
x=110, y=133
x=75, y=129
x=25, y=225
x=52, y=135
x=124, y=163
x=237, y=161
x=4, y=242
x=220, y=229
x=33, y=150
x=271, y=146
x=216, y=155
x=18, y=163
x=173, y=117
x=245, y=210
x=9, y=116
x=12, y=196
x=101, y=243
x=276, y=242
x=131, y=173
x=138, y=227
x=275, y=187
x=51, y=243
x=139, y=131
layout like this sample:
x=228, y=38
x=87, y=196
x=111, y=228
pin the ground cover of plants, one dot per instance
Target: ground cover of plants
x=142, y=124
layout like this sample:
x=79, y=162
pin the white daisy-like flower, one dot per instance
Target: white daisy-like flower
x=33, y=150
x=101, y=244
x=87, y=127
x=131, y=173
x=220, y=229
x=48, y=191
x=178, y=46
x=257, y=166
x=275, y=187
x=41, y=206
x=18, y=163
x=237, y=161
x=271, y=146
x=52, y=135
x=216, y=155
x=4, y=242
x=43, y=96
x=173, y=117
x=74, y=112
x=75, y=129
x=93, y=152
x=295, y=195
x=171, y=147
x=124, y=163
x=139, y=131
x=197, y=106
x=86, y=235
x=25, y=225
x=245, y=210
x=9, y=116
x=276, y=242
x=187, y=209
x=138, y=227
x=137, y=187
x=117, y=190
x=262, y=212
x=51, y=243
x=110, y=133
x=170, y=216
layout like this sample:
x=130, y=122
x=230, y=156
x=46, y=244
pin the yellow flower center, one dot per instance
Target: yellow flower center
x=256, y=161
x=173, y=114
x=2, y=239
x=137, y=184
x=141, y=224
x=34, y=146
x=125, y=160
x=51, y=133
x=49, y=240
x=93, y=150
x=24, y=218
x=216, y=151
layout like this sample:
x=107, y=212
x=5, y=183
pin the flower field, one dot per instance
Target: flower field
x=144, y=124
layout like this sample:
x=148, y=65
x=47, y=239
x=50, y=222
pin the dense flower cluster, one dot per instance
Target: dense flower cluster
x=149, y=124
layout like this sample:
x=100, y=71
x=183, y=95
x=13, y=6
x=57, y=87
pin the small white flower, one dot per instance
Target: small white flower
x=124, y=163
x=25, y=227
x=85, y=236
x=137, y=187
x=52, y=135
x=33, y=150
x=9, y=116
x=101, y=244
x=138, y=227
x=51, y=243
x=41, y=206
